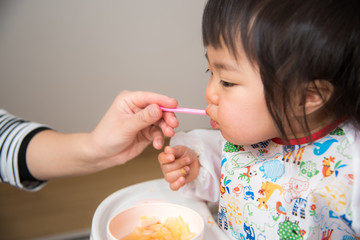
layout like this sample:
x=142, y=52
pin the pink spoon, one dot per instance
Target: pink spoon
x=184, y=110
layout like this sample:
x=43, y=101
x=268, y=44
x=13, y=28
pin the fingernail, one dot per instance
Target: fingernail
x=159, y=143
x=153, y=111
x=181, y=180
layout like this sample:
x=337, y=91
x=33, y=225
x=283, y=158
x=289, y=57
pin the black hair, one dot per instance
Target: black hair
x=294, y=43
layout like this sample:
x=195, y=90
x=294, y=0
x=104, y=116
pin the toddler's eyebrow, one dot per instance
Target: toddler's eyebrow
x=228, y=67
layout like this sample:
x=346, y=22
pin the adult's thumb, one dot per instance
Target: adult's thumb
x=145, y=117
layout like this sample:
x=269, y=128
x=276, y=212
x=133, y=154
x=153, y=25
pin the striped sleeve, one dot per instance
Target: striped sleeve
x=15, y=134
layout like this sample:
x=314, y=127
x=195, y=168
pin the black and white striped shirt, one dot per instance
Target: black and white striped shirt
x=15, y=135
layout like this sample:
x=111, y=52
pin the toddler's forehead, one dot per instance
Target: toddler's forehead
x=235, y=49
x=222, y=57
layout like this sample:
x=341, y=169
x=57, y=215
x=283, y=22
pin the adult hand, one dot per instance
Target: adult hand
x=133, y=121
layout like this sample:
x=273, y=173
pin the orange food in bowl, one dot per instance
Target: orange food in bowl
x=130, y=223
x=174, y=228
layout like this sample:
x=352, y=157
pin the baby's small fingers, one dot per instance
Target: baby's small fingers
x=165, y=158
x=173, y=176
x=169, y=150
x=177, y=184
x=169, y=165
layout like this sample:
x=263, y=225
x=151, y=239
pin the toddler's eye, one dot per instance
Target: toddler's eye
x=226, y=84
x=208, y=71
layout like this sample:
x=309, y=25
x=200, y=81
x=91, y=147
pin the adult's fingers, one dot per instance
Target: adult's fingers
x=143, y=118
x=157, y=137
x=142, y=98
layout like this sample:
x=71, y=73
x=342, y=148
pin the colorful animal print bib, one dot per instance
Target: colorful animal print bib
x=274, y=191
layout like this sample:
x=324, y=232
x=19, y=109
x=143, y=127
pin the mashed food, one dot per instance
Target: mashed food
x=174, y=228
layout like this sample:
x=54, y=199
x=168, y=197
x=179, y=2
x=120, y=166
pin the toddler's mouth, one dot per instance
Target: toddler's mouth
x=214, y=124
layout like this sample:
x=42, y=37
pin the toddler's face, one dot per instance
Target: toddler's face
x=235, y=98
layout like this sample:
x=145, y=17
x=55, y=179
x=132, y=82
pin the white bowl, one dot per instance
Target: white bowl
x=123, y=223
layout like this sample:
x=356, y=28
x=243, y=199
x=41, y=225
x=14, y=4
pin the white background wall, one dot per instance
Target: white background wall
x=62, y=62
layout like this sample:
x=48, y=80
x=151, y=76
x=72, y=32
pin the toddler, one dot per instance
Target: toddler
x=284, y=91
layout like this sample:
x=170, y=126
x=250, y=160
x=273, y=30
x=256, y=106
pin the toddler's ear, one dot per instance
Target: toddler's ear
x=318, y=92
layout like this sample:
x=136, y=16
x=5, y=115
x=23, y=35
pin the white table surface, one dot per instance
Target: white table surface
x=150, y=191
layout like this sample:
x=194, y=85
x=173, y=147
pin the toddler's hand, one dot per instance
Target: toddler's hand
x=180, y=165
